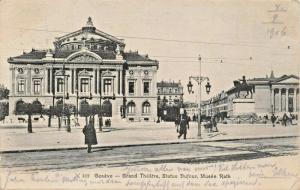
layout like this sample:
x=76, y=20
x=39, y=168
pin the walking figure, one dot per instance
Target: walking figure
x=183, y=127
x=214, y=124
x=177, y=122
x=90, y=135
x=273, y=119
x=284, y=119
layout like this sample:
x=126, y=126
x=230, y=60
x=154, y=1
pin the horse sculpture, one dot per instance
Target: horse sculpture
x=242, y=87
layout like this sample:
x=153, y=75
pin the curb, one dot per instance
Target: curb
x=146, y=144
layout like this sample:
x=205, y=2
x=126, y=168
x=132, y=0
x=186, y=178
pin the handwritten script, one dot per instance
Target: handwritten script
x=232, y=175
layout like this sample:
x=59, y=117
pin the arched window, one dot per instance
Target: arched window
x=20, y=107
x=131, y=107
x=146, y=107
x=36, y=107
x=84, y=108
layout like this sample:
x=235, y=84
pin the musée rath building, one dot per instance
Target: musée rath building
x=85, y=67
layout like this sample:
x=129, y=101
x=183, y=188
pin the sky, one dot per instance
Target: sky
x=233, y=37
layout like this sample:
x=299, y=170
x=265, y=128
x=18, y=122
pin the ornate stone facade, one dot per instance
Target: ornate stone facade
x=87, y=65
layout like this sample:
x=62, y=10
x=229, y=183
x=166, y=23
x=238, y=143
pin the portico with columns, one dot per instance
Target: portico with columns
x=285, y=95
x=277, y=95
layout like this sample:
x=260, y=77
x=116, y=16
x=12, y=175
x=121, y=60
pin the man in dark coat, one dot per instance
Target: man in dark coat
x=183, y=127
x=273, y=119
x=214, y=124
x=284, y=119
x=90, y=135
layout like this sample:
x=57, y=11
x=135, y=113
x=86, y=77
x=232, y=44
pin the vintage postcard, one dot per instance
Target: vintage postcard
x=149, y=94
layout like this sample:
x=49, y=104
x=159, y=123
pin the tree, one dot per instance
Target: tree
x=94, y=110
x=4, y=92
x=68, y=110
x=50, y=113
x=84, y=111
x=57, y=110
x=28, y=110
x=3, y=109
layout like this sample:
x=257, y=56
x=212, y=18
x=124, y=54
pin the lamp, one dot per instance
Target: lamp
x=190, y=86
x=207, y=87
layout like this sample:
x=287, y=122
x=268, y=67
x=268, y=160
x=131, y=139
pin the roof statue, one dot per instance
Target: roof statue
x=89, y=22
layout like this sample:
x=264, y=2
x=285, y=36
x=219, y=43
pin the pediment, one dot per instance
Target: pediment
x=291, y=79
x=59, y=73
x=108, y=73
x=84, y=58
x=84, y=73
x=81, y=35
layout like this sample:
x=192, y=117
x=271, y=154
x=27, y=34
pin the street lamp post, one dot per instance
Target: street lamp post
x=100, y=120
x=77, y=108
x=199, y=79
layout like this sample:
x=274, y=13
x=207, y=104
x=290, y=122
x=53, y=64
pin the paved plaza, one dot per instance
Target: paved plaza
x=14, y=137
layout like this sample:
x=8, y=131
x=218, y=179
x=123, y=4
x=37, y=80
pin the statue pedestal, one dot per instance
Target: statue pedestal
x=243, y=106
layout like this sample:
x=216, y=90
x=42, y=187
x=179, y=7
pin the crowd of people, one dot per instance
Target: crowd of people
x=285, y=120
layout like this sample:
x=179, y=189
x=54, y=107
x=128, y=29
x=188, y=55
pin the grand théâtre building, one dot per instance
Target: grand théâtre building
x=87, y=66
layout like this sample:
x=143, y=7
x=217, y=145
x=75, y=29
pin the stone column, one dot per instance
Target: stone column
x=139, y=81
x=295, y=100
x=121, y=81
x=287, y=100
x=115, y=86
x=28, y=81
x=279, y=94
x=13, y=81
x=96, y=81
x=44, y=81
x=51, y=79
x=92, y=82
x=69, y=80
x=118, y=82
x=153, y=82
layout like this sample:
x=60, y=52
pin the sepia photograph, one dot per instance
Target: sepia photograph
x=149, y=94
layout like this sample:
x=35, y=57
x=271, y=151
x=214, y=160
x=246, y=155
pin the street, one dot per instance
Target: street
x=193, y=153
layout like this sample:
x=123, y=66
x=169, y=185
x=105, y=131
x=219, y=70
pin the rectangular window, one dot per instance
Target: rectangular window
x=79, y=47
x=131, y=87
x=146, y=87
x=21, y=85
x=84, y=85
x=107, y=86
x=36, y=86
x=60, y=85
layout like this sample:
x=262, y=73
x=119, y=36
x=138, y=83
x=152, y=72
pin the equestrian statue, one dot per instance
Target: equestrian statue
x=243, y=87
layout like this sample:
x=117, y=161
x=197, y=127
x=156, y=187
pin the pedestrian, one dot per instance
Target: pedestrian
x=214, y=124
x=284, y=119
x=177, y=122
x=90, y=136
x=183, y=127
x=194, y=117
x=273, y=119
x=188, y=122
